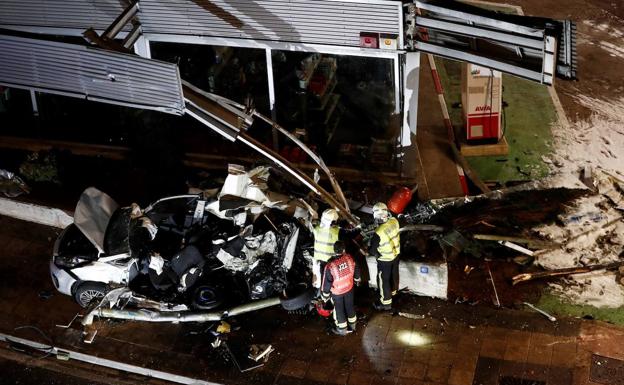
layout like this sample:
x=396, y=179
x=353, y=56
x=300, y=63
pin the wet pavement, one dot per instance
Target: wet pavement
x=453, y=344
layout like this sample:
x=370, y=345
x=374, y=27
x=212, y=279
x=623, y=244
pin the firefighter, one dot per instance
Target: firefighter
x=339, y=275
x=385, y=245
x=326, y=234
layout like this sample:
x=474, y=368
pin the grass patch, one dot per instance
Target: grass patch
x=527, y=120
x=554, y=305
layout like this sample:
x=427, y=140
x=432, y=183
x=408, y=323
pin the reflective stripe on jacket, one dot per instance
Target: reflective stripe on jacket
x=389, y=240
x=342, y=270
x=324, y=240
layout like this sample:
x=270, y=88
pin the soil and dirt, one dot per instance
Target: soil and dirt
x=600, y=73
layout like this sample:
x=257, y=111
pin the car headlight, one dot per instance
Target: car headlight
x=66, y=261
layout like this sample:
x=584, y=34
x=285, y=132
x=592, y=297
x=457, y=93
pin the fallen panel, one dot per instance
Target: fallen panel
x=420, y=278
x=530, y=47
x=93, y=74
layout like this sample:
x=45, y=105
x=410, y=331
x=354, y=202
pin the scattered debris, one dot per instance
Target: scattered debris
x=563, y=272
x=242, y=360
x=12, y=185
x=531, y=243
x=216, y=343
x=223, y=328
x=587, y=177
x=513, y=246
x=497, y=303
x=523, y=260
x=258, y=352
x=550, y=317
x=411, y=316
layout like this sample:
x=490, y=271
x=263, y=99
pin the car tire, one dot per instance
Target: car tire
x=87, y=292
x=207, y=298
x=297, y=297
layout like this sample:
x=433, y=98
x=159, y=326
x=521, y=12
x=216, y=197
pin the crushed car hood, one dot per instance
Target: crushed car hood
x=93, y=212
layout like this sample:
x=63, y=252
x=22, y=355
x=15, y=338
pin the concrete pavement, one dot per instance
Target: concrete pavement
x=453, y=344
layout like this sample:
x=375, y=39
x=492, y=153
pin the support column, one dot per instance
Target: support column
x=269, y=66
x=33, y=100
x=142, y=47
x=411, y=75
x=397, y=83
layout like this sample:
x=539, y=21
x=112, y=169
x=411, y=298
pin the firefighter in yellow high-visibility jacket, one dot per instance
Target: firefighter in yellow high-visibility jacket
x=386, y=246
x=326, y=234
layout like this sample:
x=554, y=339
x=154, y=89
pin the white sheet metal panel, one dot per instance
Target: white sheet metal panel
x=74, y=14
x=334, y=22
x=302, y=21
x=93, y=74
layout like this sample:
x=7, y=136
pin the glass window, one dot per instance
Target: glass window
x=235, y=73
x=15, y=109
x=344, y=106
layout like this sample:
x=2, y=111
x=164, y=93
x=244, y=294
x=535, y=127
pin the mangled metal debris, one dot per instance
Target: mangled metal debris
x=12, y=185
x=189, y=258
x=564, y=272
x=260, y=352
x=542, y=312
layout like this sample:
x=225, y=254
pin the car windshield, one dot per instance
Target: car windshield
x=116, y=239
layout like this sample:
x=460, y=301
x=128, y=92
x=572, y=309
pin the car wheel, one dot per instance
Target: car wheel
x=206, y=298
x=297, y=297
x=88, y=292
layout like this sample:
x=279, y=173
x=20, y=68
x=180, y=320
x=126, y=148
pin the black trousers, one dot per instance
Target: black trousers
x=387, y=280
x=344, y=309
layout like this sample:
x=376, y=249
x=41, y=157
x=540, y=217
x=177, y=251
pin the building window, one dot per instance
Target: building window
x=344, y=106
x=238, y=74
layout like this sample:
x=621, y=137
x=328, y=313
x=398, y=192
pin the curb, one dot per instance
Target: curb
x=30, y=212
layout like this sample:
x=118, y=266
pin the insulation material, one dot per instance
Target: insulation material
x=421, y=278
x=245, y=258
x=592, y=235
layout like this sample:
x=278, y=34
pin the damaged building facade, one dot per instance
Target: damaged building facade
x=342, y=76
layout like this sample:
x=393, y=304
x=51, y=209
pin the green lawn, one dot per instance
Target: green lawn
x=558, y=308
x=527, y=120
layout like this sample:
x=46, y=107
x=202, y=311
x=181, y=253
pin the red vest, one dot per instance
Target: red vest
x=342, y=270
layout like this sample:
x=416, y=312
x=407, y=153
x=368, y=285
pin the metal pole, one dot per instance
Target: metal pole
x=142, y=47
x=121, y=21
x=33, y=100
x=269, y=65
x=179, y=316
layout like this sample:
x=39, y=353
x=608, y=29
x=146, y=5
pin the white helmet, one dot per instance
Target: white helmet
x=328, y=217
x=380, y=212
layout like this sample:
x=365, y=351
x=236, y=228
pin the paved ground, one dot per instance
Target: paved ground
x=438, y=163
x=453, y=344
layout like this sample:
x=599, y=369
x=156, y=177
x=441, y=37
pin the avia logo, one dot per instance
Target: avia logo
x=484, y=108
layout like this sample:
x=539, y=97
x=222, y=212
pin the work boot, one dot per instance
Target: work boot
x=340, y=331
x=352, y=326
x=380, y=306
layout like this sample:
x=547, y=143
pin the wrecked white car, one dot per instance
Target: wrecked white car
x=203, y=251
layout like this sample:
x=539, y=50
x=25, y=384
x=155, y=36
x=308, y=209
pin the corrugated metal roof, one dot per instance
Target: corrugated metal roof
x=300, y=21
x=94, y=74
x=80, y=14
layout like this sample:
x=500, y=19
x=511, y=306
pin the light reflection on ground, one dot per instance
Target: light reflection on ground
x=376, y=339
